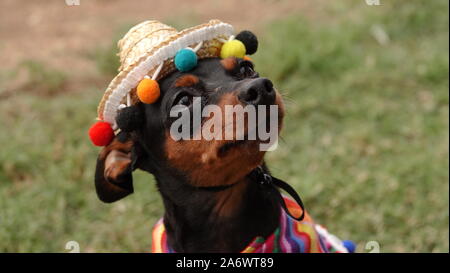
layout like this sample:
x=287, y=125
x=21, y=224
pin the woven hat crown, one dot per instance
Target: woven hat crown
x=140, y=40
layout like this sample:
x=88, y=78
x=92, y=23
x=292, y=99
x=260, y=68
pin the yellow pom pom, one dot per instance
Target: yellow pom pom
x=233, y=48
x=148, y=91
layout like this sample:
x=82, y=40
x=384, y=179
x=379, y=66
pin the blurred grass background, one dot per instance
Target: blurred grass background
x=365, y=140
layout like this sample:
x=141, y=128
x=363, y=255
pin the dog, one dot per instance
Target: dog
x=212, y=202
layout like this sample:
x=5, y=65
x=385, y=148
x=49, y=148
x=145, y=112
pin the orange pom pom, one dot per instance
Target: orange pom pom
x=148, y=91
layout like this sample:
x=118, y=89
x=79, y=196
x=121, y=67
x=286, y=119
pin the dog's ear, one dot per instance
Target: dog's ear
x=116, y=161
x=113, y=178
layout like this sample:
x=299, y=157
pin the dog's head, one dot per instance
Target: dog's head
x=216, y=153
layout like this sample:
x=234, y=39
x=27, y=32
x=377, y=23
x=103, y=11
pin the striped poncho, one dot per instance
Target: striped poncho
x=291, y=236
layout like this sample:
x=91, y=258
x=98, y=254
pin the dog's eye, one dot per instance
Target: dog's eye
x=246, y=70
x=183, y=99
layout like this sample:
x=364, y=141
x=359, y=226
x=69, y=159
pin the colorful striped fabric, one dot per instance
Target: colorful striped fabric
x=291, y=236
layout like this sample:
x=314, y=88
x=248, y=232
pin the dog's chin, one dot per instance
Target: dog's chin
x=244, y=146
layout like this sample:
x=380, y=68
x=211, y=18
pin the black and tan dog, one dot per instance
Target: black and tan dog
x=198, y=219
x=218, y=194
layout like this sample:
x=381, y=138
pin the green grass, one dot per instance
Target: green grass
x=42, y=78
x=106, y=56
x=32, y=76
x=365, y=140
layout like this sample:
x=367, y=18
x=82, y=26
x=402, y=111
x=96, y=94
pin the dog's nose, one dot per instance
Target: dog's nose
x=258, y=92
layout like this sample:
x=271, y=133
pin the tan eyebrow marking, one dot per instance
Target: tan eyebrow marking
x=229, y=63
x=186, y=80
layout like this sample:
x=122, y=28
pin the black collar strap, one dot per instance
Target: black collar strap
x=271, y=183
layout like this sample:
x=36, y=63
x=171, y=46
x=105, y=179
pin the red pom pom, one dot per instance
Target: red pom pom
x=101, y=133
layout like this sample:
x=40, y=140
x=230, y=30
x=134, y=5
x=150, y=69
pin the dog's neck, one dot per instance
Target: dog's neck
x=215, y=220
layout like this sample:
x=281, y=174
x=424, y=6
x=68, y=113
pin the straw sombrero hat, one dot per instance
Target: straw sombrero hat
x=152, y=50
